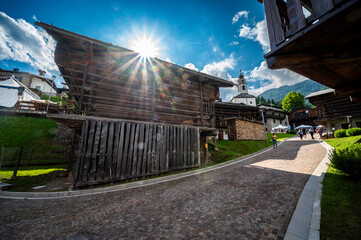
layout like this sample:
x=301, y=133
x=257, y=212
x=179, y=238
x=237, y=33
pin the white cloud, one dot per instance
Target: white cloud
x=191, y=66
x=21, y=41
x=271, y=78
x=234, y=43
x=219, y=69
x=239, y=15
x=257, y=33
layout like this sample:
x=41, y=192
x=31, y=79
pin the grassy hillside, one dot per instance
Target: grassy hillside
x=31, y=133
x=305, y=87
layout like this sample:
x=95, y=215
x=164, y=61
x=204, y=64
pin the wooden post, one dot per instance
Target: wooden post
x=65, y=154
x=70, y=163
x=2, y=149
x=29, y=158
x=17, y=162
x=201, y=99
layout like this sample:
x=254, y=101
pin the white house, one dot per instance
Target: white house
x=243, y=96
x=39, y=82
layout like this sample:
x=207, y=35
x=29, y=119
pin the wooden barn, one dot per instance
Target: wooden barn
x=137, y=116
x=335, y=111
x=317, y=39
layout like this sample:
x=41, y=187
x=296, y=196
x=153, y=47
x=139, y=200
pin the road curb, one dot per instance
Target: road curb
x=305, y=221
x=125, y=186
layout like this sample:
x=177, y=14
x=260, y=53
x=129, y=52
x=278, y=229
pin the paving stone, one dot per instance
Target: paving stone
x=253, y=199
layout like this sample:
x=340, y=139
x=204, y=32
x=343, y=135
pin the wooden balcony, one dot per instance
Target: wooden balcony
x=319, y=39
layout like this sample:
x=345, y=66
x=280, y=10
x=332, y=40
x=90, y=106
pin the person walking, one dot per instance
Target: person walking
x=304, y=132
x=274, y=140
x=320, y=133
x=300, y=133
x=311, y=131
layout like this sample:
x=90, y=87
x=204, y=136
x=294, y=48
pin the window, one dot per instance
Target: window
x=250, y=102
x=38, y=87
x=274, y=121
x=243, y=88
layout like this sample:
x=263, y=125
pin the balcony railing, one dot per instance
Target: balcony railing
x=287, y=17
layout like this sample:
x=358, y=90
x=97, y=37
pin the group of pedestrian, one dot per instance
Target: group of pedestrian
x=302, y=133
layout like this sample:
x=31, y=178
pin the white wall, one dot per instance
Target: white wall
x=44, y=86
x=247, y=101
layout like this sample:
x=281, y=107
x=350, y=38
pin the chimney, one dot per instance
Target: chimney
x=16, y=70
x=41, y=72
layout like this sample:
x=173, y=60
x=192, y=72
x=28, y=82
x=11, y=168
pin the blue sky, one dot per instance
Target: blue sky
x=215, y=37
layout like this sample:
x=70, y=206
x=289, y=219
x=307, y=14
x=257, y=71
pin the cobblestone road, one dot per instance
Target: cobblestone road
x=249, y=200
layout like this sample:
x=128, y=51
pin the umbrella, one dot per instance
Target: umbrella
x=303, y=126
x=280, y=127
x=319, y=126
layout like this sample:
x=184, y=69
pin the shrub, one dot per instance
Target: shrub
x=348, y=160
x=293, y=131
x=340, y=133
x=353, y=132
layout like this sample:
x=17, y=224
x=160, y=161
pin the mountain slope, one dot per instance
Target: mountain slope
x=306, y=87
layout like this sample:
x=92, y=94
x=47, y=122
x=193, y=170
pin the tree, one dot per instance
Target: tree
x=293, y=101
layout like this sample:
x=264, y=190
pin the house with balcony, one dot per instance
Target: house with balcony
x=317, y=39
x=273, y=117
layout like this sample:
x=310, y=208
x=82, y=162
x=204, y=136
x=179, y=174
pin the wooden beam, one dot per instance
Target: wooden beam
x=295, y=16
x=316, y=57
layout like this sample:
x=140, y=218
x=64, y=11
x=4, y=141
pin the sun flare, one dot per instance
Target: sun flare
x=145, y=47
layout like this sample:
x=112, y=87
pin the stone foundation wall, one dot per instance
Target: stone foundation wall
x=245, y=130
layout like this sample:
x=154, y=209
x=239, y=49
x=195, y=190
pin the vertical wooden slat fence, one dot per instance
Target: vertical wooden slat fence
x=112, y=151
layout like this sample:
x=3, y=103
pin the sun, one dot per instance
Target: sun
x=145, y=47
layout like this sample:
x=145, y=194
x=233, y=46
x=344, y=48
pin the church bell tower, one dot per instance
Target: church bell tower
x=242, y=84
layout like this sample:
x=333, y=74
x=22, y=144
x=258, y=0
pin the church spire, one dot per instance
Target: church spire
x=242, y=84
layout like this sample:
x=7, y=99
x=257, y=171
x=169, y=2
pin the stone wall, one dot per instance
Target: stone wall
x=245, y=130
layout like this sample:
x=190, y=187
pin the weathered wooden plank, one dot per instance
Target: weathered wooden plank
x=81, y=154
x=295, y=15
x=110, y=152
x=198, y=147
x=130, y=151
x=113, y=166
x=194, y=141
x=125, y=150
x=189, y=140
x=167, y=148
x=135, y=150
x=93, y=165
x=154, y=145
x=102, y=151
x=140, y=149
x=89, y=151
x=145, y=152
x=150, y=149
x=274, y=25
x=120, y=146
x=181, y=149
x=320, y=7
x=158, y=148
x=185, y=162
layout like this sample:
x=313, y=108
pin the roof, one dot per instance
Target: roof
x=244, y=95
x=235, y=105
x=46, y=79
x=271, y=108
x=62, y=35
x=322, y=92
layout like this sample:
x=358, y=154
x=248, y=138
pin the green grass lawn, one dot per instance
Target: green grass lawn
x=228, y=150
x=29, y=177
x=342, y=142
x=31, y=133
x=341, y=200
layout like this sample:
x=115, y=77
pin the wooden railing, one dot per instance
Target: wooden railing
x=38, y=106
x=285, y=18
x=208, y=108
